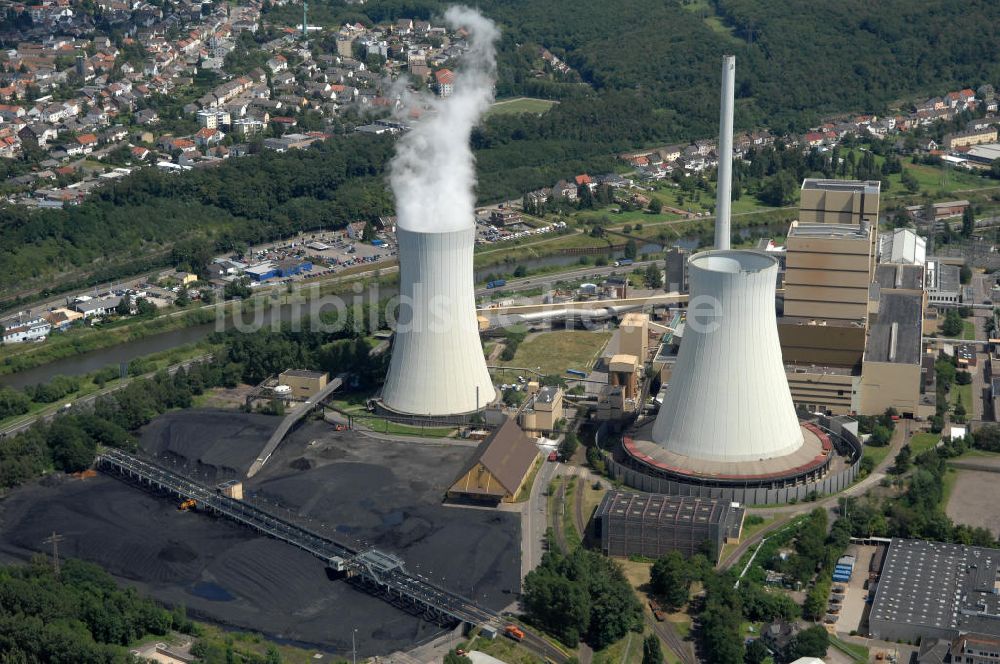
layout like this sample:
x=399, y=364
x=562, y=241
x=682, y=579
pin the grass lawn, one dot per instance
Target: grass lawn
x=921, y=442
x=626, y=651
x=503, y=649
x=857, y=652
x=525, y=491
x=965, y=392
x=520, y=105
x=748, y=531
x=573, y=538
x=950, y=477
x=380, y=425
x=555, y=352
x=878, y=454
x=968, y=330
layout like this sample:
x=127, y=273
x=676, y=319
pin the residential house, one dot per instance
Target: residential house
x=444, y=81
x=206, y=137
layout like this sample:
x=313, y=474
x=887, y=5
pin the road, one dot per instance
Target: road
x=533, y=519
x=52, y=411
x=783, y=513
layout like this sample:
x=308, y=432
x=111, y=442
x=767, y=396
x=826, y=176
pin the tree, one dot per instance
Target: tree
x=958, y=412
x=631, y=250
x=651, y=651
x=656, y=206
x=368, y=234
x=965, y=274
x=953, y=325
x=520, y=271
x=238, y=288
x=810, y=642
x=968, y=222
x=910, y=181
x=183, y=299
x=452, y=657
x=757, y=652
x=123, y=308
x=987, y=438
x=653, y=276
x=670, y=579
x=568, y=445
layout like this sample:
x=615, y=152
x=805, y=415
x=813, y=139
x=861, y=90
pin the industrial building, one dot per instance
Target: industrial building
x=302, y=382
x=830, y=261
x=651, y=525
x=676, y=279
x=498, y=469
x=437, y=366
x=890, y=373
x=933, y=590
x=944, y=284
x=544, y=410
x=844, y=202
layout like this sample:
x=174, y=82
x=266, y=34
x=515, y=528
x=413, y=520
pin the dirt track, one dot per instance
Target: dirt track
x=381, y=493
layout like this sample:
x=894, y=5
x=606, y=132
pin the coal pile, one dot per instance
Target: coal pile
x=360, y=490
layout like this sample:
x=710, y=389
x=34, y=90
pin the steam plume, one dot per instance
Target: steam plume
x=433, y=173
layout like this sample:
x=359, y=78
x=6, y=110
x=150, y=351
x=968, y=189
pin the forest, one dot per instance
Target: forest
x=646, y=72
x=78, y=616
x=133, y=224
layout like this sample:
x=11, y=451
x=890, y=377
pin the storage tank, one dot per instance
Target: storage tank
x=437, y=365
x=729, y=398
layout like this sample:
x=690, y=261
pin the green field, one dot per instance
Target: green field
x=969, y=330
x=520, y=105
x=921, y=442
x=877, y=454
x=555, y=352
x=965, y=391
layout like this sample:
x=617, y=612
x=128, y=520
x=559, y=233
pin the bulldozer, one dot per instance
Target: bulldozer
x=188, y=504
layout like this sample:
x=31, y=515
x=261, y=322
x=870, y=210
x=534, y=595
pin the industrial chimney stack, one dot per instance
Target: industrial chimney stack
x=725, y=177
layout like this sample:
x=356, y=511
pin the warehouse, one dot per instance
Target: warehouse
x=499, y=468
x=936, y=590
x=651, y=525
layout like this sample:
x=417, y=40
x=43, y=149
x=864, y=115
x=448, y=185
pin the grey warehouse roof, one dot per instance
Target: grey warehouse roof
x=657, y=508
x=895, y=334
x=937, y=585
x=861, y=187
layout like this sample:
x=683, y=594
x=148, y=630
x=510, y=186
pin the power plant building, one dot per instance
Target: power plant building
x=652, y=525
x=830, y=259
x=845, y=202
x=890, y=374
x=437, y=366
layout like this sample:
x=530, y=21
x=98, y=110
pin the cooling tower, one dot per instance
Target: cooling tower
x=728, y=398
x=437, y=365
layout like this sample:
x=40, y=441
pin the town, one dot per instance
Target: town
x=406, y=332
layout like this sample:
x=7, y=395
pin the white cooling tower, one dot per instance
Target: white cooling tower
x=437, y=365
x=728, y=398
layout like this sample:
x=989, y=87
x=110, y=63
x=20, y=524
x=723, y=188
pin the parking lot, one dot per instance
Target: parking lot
x=853, y=602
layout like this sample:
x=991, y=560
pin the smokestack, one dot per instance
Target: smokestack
x=725, y=178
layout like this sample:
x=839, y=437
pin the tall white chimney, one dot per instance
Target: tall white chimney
x=725, y=178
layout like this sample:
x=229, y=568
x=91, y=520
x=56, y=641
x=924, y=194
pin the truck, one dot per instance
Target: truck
x=496, y=283
x=623, y=262
x=514, y=632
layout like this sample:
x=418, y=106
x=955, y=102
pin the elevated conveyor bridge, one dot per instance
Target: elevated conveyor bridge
x=379, y=573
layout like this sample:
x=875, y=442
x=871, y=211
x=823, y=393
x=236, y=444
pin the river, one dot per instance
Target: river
x=126, y=352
